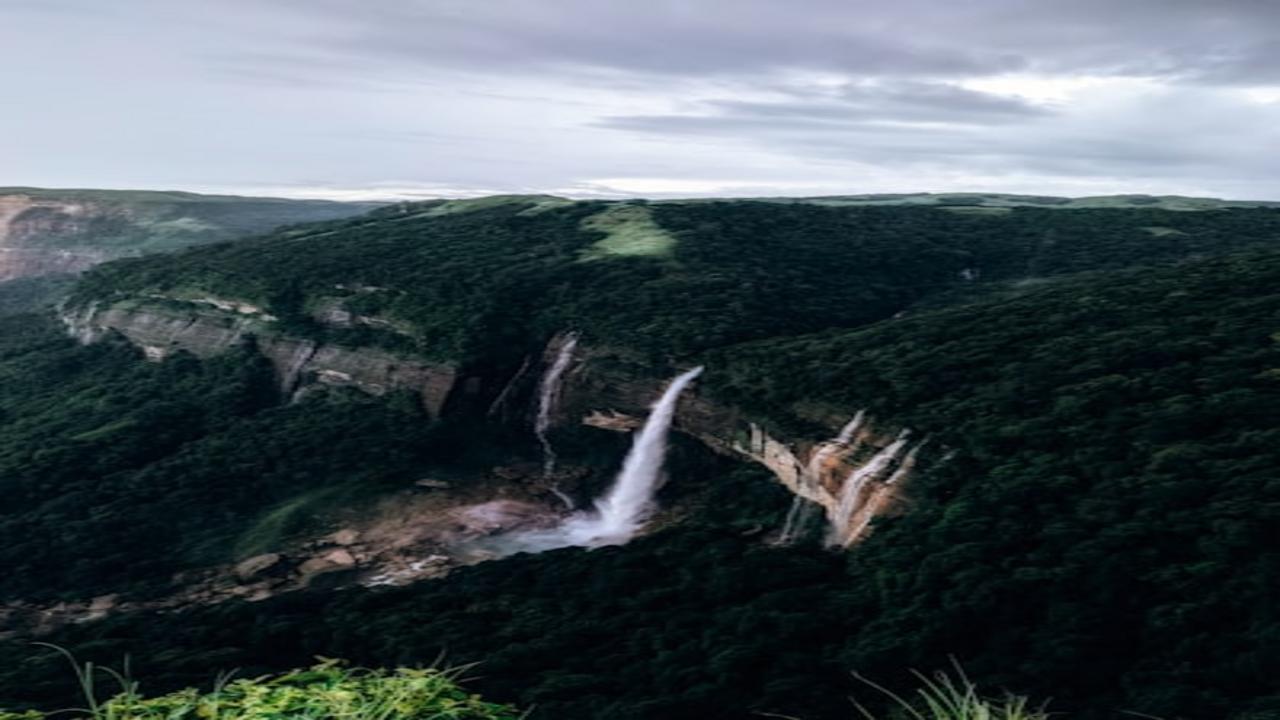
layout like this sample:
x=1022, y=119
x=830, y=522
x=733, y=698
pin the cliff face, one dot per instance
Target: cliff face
x=25, y=221
x=209, y=326
x=854, y=473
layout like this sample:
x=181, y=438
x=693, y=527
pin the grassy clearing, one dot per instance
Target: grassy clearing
x=327, y=691
x=629, y=232
x=275, y=526
x=1158, y=231
x=979, y=210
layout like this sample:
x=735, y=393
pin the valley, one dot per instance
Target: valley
x=669, y=459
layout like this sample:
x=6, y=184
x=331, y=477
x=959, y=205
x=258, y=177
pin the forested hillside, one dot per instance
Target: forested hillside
x=484, y=280
x=1101, y=388
x=48, y=236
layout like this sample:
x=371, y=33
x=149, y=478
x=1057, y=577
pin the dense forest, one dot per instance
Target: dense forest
x=478, y=284
x=1105, y=383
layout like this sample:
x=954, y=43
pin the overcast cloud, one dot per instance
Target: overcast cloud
x=410, y=98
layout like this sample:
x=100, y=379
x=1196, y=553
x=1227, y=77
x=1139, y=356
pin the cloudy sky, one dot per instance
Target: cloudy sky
x=382, y=98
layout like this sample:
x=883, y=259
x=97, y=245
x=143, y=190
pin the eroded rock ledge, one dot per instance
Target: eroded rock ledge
x=208, y=326
x=853, y=473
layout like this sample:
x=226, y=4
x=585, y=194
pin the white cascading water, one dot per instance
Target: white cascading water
x=851, y=491
x=802, y=510
x=907, y=464
x=840, y=442
x=548, y=394
x=621, y=512
x=798, y=517
x=293, y=370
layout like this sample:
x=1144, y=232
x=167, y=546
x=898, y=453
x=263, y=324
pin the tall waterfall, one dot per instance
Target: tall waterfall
x=622, y=510
x=548, y=395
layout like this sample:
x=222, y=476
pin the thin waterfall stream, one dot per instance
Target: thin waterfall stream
x=548, y=395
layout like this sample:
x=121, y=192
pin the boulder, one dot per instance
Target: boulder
x=341, y=558
x=346, y=536
x=258, y=566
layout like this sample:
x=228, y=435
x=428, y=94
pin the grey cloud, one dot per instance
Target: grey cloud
x=899, y=101
x=664, y=37
x=907, y=111
x=1185, y=133
x=1219, y=41
x=558, y=93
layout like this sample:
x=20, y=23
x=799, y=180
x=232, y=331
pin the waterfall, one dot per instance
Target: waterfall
x=628, y=503
x=907, y=463
x=851, y=491
x=622, y=510
x=841, y=441
x=292, y=376
x=548, y=394
x=798, y=518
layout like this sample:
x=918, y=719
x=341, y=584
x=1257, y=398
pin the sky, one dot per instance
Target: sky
x=366, y=99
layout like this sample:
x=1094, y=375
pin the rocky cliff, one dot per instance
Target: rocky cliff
x=207, y=326
x=853, y=473
x=25, y=221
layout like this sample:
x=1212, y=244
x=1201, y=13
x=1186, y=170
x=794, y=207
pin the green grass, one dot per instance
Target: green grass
x=944, y=697
x=278, y=524
x=629, y=231
x=984, y=210
x=327, y=691
x=1160, y=231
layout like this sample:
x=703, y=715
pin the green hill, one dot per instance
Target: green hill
x=1092, y=517
x=48, y=235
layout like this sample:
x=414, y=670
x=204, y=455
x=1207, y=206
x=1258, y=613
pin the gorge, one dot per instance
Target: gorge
x=919, y=434
x=849, y=476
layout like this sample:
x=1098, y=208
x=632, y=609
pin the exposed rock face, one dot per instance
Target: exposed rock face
x=258, y=567
x=405, y=537
x=855, y=474
x=207, y=327
x=854, y=478
x=612, y=420
x=25, y=220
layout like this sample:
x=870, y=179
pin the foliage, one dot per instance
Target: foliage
x=144, y=221
x=1103, y=532
x=327, y=691
x=104, y=457
x=33, y=294
x=491, y=284
x=943, y=697
x=1109, y=514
